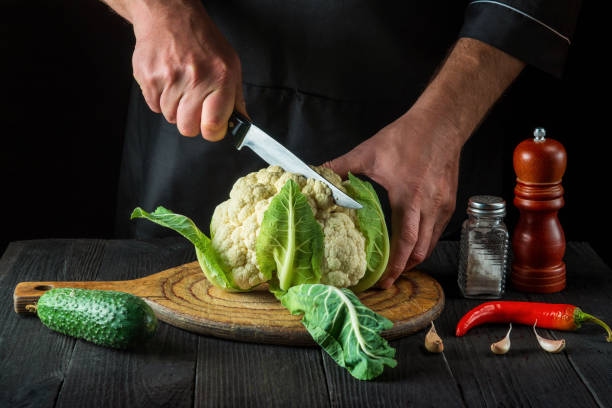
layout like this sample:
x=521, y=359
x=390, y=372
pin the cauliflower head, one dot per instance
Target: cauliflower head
x=236, y=223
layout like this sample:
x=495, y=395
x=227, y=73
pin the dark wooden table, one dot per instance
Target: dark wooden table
x=40, y=368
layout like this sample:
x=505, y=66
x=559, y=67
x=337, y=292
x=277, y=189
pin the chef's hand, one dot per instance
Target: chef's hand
x=185, y=67
x=416, y=159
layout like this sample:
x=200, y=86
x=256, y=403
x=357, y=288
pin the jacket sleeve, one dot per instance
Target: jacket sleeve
x=538, y=32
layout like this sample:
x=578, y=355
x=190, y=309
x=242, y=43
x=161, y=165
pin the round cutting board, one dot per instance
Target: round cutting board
x=183, y=297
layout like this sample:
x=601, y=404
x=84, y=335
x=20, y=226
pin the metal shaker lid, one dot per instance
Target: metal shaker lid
x=486, y=205
x=539, y=134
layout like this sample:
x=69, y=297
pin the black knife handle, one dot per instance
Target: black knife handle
x=238, y=126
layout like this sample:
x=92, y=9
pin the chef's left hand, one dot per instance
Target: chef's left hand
x=416, y=159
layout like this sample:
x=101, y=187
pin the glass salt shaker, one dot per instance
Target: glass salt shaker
x=483, y=254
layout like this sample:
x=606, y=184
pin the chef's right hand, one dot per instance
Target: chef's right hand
x=186, y=68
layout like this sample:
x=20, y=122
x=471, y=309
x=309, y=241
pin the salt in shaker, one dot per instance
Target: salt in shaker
x=483, y=254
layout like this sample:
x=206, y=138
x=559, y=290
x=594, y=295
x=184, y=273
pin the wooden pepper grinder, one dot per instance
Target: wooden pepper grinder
x=538, y=241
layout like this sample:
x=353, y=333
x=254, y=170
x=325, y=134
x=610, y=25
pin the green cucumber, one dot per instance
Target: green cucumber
x=104, y=317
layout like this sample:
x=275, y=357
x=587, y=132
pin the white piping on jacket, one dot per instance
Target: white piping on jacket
x=524, y=14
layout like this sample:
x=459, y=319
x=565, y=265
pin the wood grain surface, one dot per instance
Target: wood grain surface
x=538, y=194
x=183, y=297
x=176, y=368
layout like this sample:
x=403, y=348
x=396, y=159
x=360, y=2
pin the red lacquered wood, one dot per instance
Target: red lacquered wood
x=538, y=241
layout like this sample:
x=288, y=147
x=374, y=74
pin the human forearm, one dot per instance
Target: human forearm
x=416, y=157
x=134, y=10
x=467, y=85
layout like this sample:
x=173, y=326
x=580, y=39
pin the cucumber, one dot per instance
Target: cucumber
x=108, y=318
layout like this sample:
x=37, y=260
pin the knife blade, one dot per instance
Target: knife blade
x=245, y=133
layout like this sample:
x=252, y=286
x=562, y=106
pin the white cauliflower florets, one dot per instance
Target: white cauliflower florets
x=236, y=222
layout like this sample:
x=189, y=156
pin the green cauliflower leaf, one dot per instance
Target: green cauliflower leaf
x=289, y=246
x=373, y=227
x=347, y=330
x=207, y=257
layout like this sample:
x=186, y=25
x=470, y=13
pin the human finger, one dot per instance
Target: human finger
x=447, y=209
x=352, y=161
x=144, y=72
x=169, y=100
x=405, y=231
x=421, y=248
x=435, y=236
x=240, y=104
x=151, y=91
x=189, y=112
x=216, y=110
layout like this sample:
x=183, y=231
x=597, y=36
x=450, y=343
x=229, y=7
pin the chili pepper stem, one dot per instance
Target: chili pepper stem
x=581, y=317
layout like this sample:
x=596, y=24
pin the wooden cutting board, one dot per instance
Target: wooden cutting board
x=183, y=297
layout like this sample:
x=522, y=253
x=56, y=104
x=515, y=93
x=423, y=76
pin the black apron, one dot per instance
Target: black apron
x=321, y=77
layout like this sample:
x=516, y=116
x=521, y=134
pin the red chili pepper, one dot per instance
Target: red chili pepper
x=547, y=316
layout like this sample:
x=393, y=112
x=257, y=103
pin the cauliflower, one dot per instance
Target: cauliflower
x=236, y=223
x=285, y=229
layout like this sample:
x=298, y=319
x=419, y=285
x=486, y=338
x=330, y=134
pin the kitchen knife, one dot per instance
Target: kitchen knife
x=245, y=133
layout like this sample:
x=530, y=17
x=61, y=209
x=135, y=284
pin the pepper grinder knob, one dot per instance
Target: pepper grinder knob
x=538, y=241
x=539, y=134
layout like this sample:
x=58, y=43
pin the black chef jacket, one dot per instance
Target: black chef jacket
x=323, y=76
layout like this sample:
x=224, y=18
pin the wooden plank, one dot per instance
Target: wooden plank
x=9, y=257
x=589, y=287
x=526, y=376
x=158, y=374
x=44, y=367
x=109, y=376
x=420, y=379
x=234, y=374
x=33, y=368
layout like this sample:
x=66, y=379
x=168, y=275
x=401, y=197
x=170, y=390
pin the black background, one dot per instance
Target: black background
x=66, y=75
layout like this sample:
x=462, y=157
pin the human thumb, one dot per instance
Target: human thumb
x=350, y=161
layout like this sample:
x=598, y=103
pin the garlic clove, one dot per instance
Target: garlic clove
x=552, y=346
x=502, y=346
x=433, y=342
